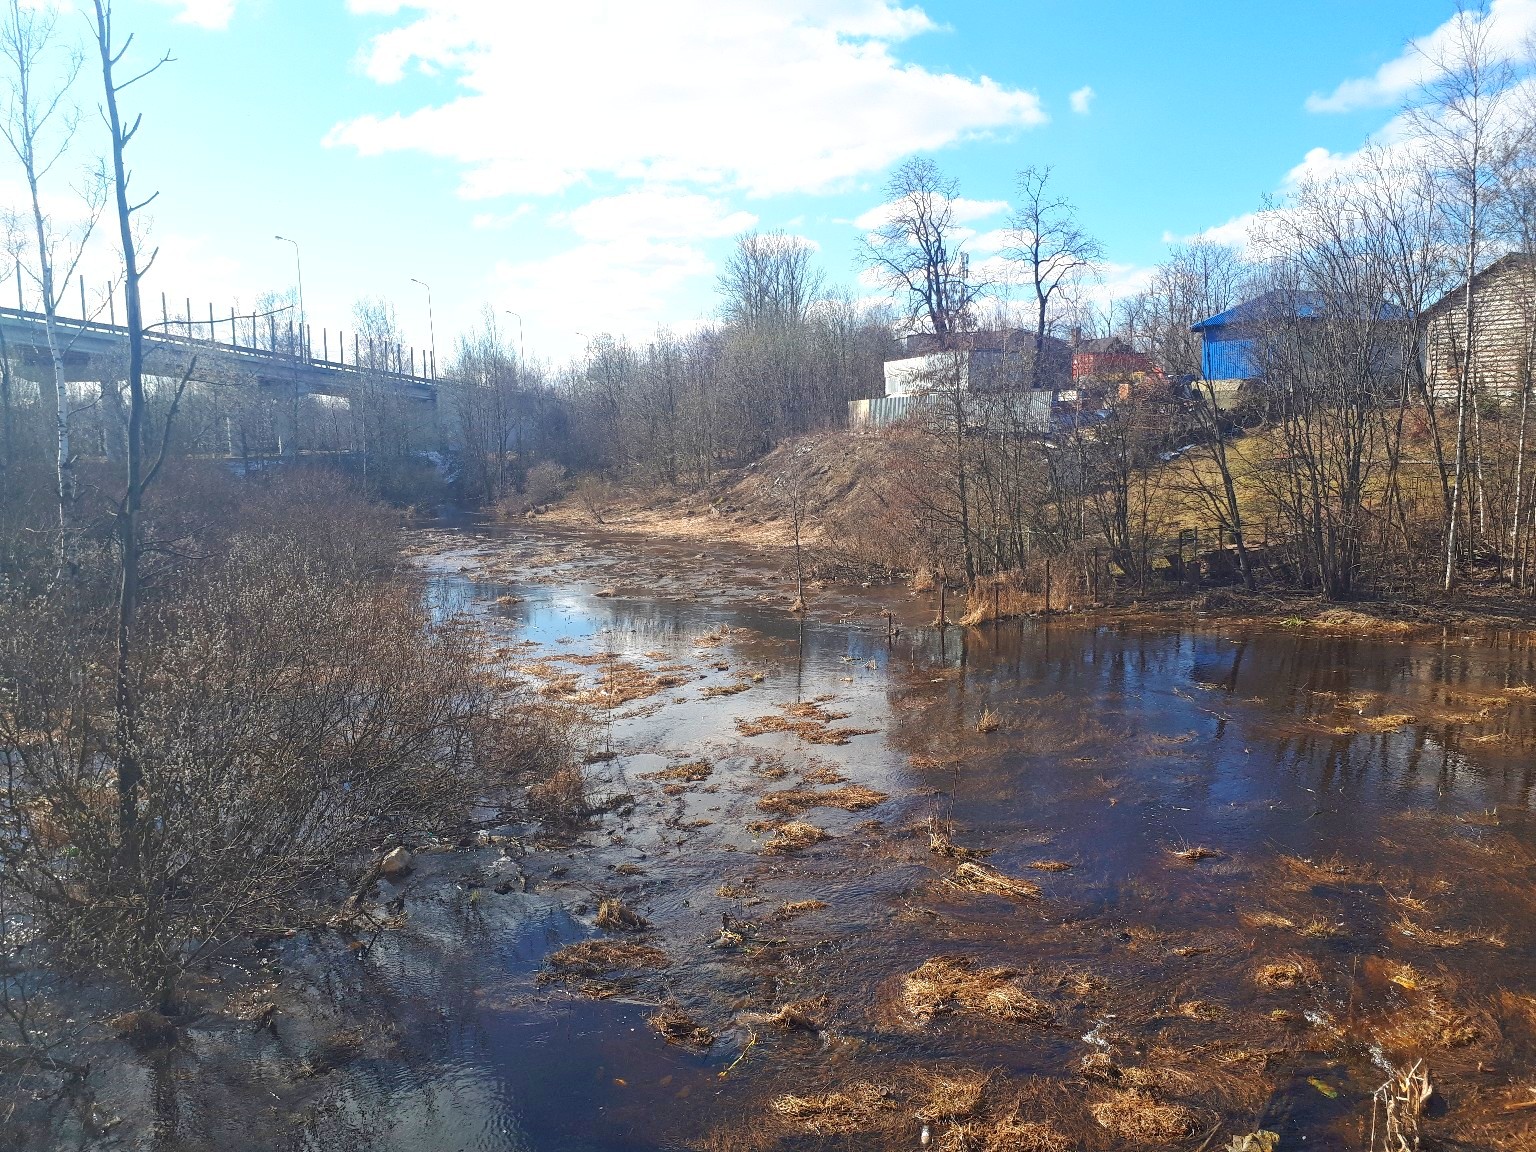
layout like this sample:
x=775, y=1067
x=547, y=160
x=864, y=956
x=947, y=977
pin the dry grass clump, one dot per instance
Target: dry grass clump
x=798, y=908
x=1399, y=1103
x=693, y=772
x=1051, y=865
x=613, y=915
x=946, y=985
x=731, y=689
x=974, y=877
x=793, y=837
x=940, y=843
x=858, y=1107
x=1347, y=620
x=1434, y=1023
x=951, y=1094
x=793, y=801
x=1203, y=1010
x=824, y=774
x=1437, y=937
x=1013, y=1134
x=808, y=730
x=988, y=722
x=1294, y=971
x=677, y=1027
x=1138, y=1117
x=595, y=957
x=1333, y=870
x=1195, y=852
x=798, y=1015
x=1264, y=918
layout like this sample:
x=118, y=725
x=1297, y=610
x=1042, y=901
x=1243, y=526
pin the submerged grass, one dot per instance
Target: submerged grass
x=947, y=985
x=793, y=837
x=974, y=877
x=792, y=802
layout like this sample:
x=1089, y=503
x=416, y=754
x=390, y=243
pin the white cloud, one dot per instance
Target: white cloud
x=1509, y=26
x=655, y=213
x=1082, y=100
x=214, y=15
x=776, y=96
x=496, y=221
x=625, y=287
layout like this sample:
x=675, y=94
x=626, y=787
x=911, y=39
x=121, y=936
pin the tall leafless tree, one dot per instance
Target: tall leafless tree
x=918, y=252
x=1051, y=248
x=39, y=126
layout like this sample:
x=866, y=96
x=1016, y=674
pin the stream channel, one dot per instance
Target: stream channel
x=1221, y=878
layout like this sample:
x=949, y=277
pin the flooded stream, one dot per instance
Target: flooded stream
x=1092, y=884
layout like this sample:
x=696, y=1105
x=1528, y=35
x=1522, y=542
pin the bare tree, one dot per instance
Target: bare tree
x=917, y=252
x=1052, y=248
x=769, y=276
x=1462, y=127
x=141, y=472
x=39, y=126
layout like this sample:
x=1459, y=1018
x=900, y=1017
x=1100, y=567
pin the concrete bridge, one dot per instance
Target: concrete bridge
x=284, y=360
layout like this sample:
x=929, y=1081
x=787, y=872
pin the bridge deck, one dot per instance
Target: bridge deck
x=94, y=351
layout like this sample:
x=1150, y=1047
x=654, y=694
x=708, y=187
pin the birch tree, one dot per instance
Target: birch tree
x=39, y=126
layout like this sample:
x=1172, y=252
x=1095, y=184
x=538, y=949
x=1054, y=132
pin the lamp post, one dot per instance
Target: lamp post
x=298, y=265
x=520, y=356
x=431, y=323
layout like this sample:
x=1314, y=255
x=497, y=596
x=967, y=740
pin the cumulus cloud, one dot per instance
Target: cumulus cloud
x=1508, y=25
x=1082, y=100
x=770, y=97
x=625, y=286
x=656, y=213
x=214, y=15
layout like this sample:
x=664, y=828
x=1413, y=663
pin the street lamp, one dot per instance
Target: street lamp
x=520, y=355
x=431, y=323
x=298, y=265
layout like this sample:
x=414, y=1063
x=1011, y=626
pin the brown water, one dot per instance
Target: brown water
x=1366, y=805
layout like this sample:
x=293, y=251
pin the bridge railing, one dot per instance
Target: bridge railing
x=283, y=343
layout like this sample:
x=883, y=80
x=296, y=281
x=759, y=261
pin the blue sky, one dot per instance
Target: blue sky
x=585, y=164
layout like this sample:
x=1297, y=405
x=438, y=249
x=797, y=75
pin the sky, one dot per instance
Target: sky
x=585, y=165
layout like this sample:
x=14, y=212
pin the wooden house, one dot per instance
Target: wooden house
x=1503, y=332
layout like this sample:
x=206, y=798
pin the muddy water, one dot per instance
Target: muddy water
x=1272, y=865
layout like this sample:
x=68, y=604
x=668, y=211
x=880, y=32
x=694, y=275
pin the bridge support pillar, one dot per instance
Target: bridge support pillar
x=114, y=421
x=286, y=419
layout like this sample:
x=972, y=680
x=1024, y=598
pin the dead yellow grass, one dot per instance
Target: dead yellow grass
x=812, y=730
x=940, y=843
x=614, y=915
x=974, y=877
x=677, y=1027
x=693, y=772
x=595, y=957
x=1138, y=1117
x=1013, y=1134
x=1287, y=972
x=799, y=1015
x=850, y=798
x=947, y=985
x=793, y=837
x=798, y=908
x=1051, y=865
x=858, y=1107
x=951, y=1094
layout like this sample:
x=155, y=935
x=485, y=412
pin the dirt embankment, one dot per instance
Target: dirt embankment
x=835, y=477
